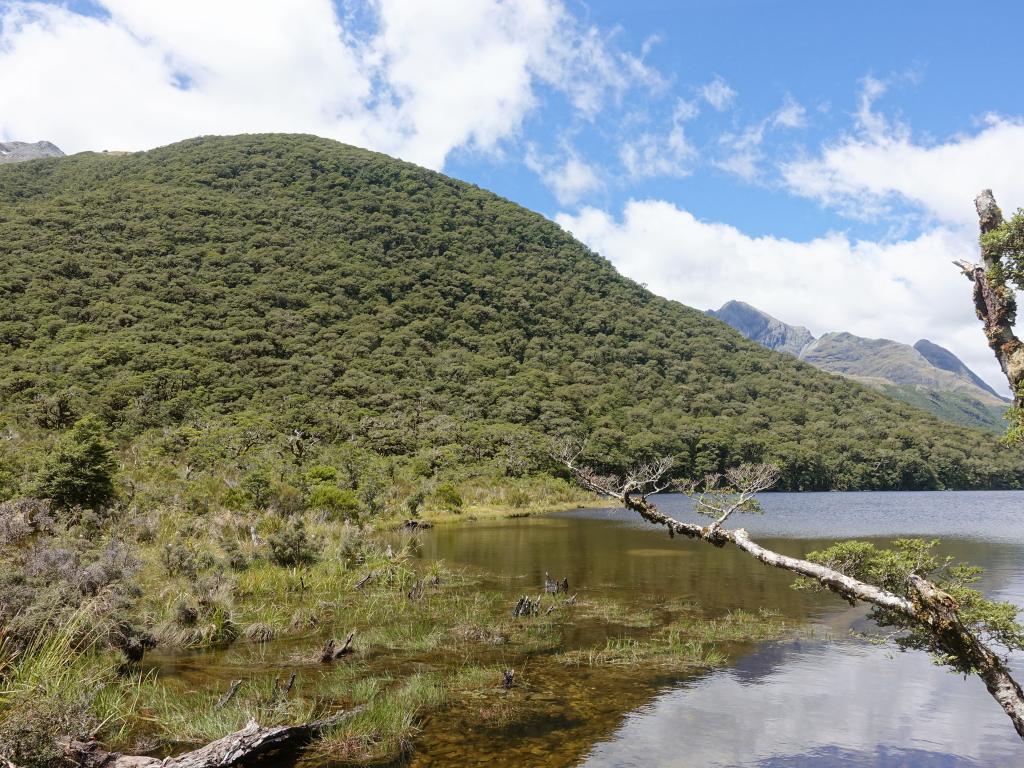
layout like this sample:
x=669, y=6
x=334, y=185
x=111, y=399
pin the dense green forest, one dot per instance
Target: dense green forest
x=293, y=292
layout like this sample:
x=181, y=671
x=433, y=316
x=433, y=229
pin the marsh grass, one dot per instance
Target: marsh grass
x=734, y=627
x=614, y=612
x=62, y=683
x=688, y=641
x=417, y=624
x=196, y=718
x=387, y=725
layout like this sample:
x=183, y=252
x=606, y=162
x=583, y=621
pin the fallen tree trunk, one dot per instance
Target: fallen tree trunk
x=928, y=606
x=239, y=748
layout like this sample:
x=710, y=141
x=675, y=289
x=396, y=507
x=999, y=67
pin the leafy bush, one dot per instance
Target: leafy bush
x=81, y=470
x=290, y=545
x=414, y=502
x=448, y=497
x=338, y=504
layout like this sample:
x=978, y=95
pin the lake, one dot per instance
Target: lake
x=830, y=699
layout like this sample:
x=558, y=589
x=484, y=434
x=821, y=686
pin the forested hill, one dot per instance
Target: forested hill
x=293, y=282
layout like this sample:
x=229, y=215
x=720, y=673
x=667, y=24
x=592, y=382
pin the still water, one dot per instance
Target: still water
x=828, y=700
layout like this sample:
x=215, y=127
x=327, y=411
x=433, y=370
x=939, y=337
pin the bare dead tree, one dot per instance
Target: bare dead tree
x=925, y=609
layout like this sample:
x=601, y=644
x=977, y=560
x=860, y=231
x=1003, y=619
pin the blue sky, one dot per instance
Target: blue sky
x=815, y=159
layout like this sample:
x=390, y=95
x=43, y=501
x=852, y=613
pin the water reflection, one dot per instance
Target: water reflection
x=833, y=702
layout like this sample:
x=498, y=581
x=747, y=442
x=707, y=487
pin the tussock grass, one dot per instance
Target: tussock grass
x=196, y=718
x=386, y=727
x=62, y=683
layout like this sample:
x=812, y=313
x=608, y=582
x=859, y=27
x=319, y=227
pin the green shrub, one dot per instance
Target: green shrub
x=81, y=469
x=414, y=502
x=290, y=545
x=448, y=497
x=321, y=474
x=338, y=504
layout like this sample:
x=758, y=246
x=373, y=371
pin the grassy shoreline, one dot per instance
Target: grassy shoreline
x=256, y=599
x=498, y=512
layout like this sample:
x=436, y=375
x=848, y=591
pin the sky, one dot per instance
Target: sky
x=815, y=159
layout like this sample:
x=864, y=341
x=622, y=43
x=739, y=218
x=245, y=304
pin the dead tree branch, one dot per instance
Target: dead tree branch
x=927, y=606
x=239, y=748
x=994, y=301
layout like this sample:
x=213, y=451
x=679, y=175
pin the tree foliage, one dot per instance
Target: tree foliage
x=990, y=620
x=80, y=472
x=260, y=285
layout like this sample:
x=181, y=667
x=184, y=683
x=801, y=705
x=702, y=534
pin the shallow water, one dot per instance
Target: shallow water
x=832, y=700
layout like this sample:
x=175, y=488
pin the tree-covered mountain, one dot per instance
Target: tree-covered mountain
x=925, y=375
x=294, y=283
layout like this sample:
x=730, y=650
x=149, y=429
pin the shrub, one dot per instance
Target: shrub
x=81, y=469
x=258, y=488
x=448, y=496
x=22, y=518
x=320, y=474
x=337, y=503
x=29, y=734
x=290, y=545
x=414, y=502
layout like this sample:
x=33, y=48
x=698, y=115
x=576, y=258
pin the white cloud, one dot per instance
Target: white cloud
x=903, y=290
x=744, y=154
x=652, y=155
x=426, y=79
x=671, y=154
x=744, y=151
x=685, y=111
x=790, y=115
x=569, y=179
x=718, y=94
x=863, y=174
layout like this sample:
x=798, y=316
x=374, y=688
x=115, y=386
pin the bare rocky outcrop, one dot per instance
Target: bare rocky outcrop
x=20, y=151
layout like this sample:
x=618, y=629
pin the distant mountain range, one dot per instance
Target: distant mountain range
x=19, y=151
x=925, y=375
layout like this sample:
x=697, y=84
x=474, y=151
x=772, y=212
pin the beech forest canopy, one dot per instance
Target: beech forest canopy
x=294, y=283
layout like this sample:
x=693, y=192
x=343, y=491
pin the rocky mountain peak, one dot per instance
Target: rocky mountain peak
x=20, y=151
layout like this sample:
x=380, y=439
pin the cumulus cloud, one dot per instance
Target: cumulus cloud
x=670, y=154
x=830, y=283
x=718, y=94
x=569, y=178
x=424, y=79
x=880, y=164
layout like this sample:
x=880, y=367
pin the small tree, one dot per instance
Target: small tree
x=81, y=469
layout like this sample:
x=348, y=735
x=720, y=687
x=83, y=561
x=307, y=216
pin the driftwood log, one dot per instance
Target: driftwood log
x=333, y=651
x=239, y=748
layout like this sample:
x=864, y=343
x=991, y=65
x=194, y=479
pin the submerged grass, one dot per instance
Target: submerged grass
x=688, y=641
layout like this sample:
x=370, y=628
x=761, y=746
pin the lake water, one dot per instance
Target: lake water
x=831, y=700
